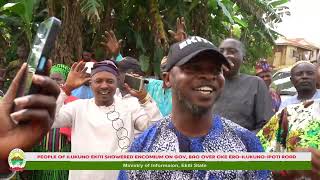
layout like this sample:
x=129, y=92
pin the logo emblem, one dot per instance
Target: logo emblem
x=17, y=160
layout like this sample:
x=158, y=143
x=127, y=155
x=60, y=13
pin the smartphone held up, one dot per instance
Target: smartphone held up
x=39, y=54
x=134, y=82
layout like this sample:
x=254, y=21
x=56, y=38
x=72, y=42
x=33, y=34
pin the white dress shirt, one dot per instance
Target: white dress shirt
x=103, y=129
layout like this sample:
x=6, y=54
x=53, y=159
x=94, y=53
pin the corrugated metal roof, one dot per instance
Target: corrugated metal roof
x=298, y=42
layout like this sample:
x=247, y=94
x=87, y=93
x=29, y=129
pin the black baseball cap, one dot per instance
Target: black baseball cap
x=182, y=52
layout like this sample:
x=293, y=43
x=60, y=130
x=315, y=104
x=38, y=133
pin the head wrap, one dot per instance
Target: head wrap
x=106, y=65
x=263, y=66
x=61, y=69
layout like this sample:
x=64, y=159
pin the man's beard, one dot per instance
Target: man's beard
x=196, y=110
x=306, y=87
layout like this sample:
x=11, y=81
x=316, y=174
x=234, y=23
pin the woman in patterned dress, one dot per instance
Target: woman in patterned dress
x=296, y=126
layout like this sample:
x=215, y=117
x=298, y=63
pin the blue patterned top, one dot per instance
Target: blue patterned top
x=224, y=136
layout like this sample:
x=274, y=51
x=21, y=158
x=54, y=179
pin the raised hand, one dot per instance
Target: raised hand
x=77, y=76
x=111, y=44
x=180, y=34
x=27, y=126
x=138, y=94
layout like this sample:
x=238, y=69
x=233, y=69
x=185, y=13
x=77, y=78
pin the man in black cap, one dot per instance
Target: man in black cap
x=195, y=75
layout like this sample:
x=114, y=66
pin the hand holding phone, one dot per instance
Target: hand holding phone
x=135, y=86
x=134, y=82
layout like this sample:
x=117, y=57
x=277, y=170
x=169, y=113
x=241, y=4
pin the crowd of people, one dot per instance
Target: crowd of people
x=201, y=104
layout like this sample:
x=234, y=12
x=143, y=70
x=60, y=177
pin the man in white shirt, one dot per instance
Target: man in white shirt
x=303, y=78
x=103, y=124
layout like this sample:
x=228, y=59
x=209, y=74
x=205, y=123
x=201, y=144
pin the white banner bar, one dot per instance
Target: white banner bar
x=239, y=156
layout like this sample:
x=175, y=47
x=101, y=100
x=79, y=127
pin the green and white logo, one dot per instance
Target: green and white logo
x=17, y=160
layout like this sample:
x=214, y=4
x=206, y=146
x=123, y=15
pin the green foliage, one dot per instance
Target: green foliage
x=277, y=3
x=158, y=55
x=251, y=21
x=225, y=11
x=17, y=21
x=92, y=9
x=24, y=9
x=144, y=62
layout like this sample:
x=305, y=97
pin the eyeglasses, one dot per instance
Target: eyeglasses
x=121, y=131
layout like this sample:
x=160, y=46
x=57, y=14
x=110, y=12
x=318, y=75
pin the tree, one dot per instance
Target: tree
x=143, y=25
x=21, y=14
x=69, y=45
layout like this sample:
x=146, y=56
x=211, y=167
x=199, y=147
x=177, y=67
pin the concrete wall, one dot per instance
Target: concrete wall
x=289, y=59
x=280, y=56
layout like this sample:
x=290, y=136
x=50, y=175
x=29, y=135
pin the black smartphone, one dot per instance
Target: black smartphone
x=38, y=57
x=135, y=83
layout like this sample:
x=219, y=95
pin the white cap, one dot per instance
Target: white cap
x=89, y=65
